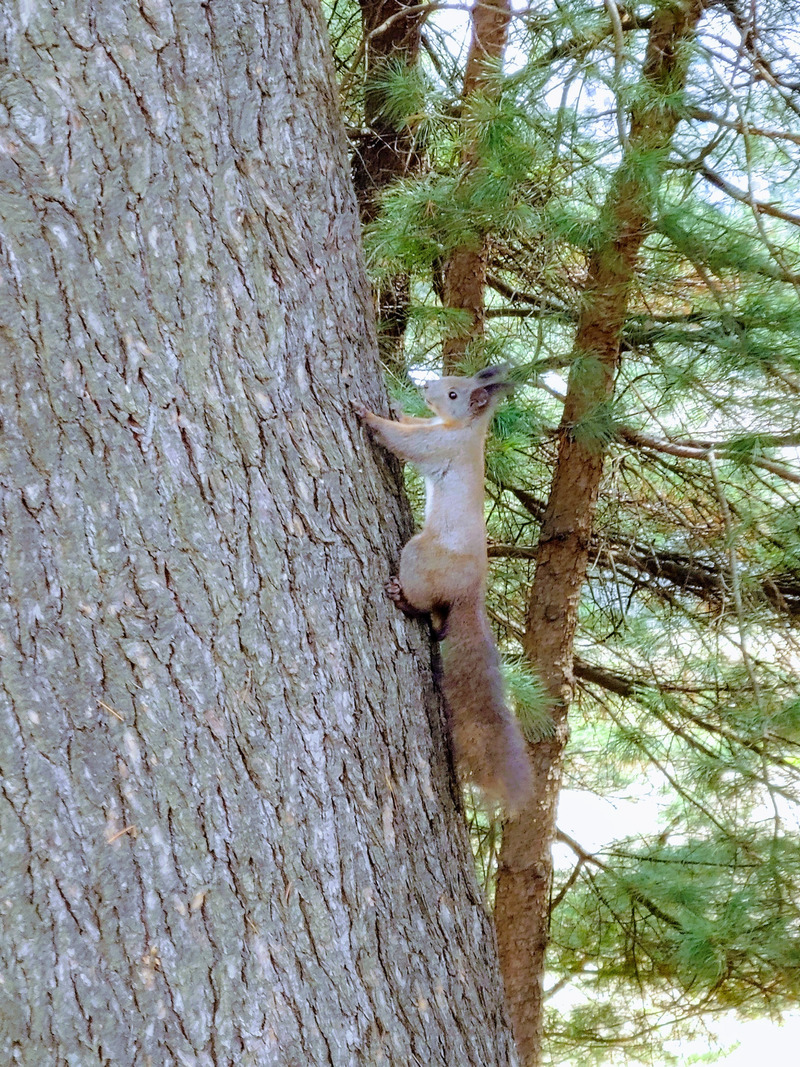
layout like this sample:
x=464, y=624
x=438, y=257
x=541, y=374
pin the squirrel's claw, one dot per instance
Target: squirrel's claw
x=394, y=589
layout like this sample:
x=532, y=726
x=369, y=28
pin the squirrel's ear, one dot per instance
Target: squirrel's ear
x=478, y=399
x=493, y=374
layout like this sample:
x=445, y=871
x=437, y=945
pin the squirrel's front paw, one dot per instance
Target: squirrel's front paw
x=360, y=410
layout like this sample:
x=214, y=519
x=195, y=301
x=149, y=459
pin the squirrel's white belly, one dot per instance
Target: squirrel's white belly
x=452, y=518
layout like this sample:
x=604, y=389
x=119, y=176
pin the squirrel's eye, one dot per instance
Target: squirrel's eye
x=453, y=394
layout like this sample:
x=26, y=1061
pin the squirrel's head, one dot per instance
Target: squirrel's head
x=467, y=399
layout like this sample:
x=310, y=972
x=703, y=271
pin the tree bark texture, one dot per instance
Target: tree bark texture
x=226, y=822
x=464, y=272
x=525, y=867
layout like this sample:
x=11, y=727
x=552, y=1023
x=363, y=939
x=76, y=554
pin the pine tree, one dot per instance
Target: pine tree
x=214, y=779
x=630, y=182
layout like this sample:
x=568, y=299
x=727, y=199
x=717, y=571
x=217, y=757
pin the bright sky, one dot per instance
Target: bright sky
x=763, y=1042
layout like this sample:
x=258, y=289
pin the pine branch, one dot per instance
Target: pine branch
x=764, y=440
x=675, y=782
x=763, y=69
x=542, y=303
x=619, y=684
x=689, y=449
x=609, y=680
x=580, y=46
x=732, y=738
x=633, y=892
x=745, y=128
x=733, y=569
x=686, y=574
x=570, y=882
x=464, y=271
x=759, y=206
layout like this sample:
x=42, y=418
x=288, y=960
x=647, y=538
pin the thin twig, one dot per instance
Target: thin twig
x=733, y=561
x=619, y=61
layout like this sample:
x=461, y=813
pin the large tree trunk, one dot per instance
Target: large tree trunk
x=525, y=865
x=227, y=829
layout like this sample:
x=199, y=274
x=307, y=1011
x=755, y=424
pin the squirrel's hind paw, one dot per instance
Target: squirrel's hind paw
x=394, y=591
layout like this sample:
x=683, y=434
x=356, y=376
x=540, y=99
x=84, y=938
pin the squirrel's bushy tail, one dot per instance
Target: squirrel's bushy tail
x=489, y=746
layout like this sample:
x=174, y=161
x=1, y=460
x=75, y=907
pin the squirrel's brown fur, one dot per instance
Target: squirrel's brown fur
x=443, y=573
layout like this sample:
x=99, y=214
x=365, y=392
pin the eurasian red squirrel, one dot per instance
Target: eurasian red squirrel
x=443, y=572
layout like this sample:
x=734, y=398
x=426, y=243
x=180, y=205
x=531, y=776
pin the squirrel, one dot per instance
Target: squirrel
x=443, y=571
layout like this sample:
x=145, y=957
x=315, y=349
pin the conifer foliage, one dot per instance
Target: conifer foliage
x=626, y=176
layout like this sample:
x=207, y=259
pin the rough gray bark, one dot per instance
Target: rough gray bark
x=226, y=824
